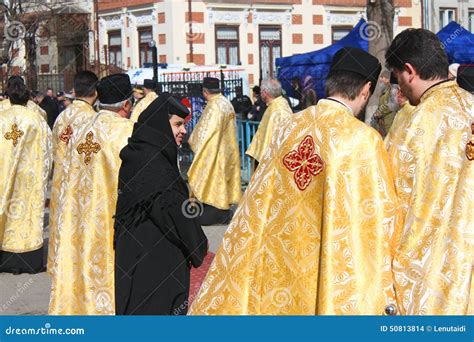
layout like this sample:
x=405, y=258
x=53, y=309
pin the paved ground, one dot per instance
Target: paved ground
x=28, y=294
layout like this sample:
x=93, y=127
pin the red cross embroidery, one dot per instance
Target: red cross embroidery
x=66, y=134
x=304, y=163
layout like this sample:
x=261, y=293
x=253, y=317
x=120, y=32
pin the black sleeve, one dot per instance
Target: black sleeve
x=186, y=233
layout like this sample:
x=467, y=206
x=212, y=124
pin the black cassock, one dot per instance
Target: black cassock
x=157, y=240
x=153, y=263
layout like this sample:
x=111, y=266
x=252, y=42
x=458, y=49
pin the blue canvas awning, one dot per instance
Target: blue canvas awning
x=458, y=43
x=317, y=63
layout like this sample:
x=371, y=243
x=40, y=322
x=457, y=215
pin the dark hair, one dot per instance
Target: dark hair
x=15, y=79
x=18, y=94
x=85, y=83
x=12, y=81
x=422, y=49
x=347, y=84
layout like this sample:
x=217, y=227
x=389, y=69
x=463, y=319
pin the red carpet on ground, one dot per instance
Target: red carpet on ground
x=198, y=275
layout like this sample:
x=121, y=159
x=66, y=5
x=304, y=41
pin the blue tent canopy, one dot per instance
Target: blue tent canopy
x=317, y=63
x=458, y=43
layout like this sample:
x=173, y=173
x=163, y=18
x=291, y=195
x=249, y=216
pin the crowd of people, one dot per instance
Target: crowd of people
x=335, y=220
x=50, y=104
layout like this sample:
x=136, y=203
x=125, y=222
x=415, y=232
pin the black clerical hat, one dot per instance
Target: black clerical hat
x=177, y=108
x=465, y=77
x=211, y=83
x=163, y=105
x=149, y=84
x=359, y=62
x=114, y=88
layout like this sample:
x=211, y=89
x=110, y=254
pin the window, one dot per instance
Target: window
x=446, y=15
x=44, y=68
x=339, y=32
x=115, y=48
x=44, y=50
x=270, y=50
x=227, y=45
x=145, y=36
x=471, y=20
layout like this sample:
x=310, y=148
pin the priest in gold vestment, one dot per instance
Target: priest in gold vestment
x=25, y=164
x=149, y=87
x=432, y=159
x=315, y=231
x=278, y=110
x=65, y=126
x=6, y=104
x=402, y=116
x=83, y=277
x=214, y=175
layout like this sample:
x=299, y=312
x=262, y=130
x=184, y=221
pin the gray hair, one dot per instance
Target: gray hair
x=212, y=91
x=272, y=87
x=112, y=106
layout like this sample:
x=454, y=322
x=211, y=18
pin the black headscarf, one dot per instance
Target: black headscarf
x=149, y=167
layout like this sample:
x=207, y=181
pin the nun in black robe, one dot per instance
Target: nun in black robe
x=156, y=241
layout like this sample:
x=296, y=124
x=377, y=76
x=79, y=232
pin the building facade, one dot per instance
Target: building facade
x=439, y=13
x=61, y=40
x=249, y=33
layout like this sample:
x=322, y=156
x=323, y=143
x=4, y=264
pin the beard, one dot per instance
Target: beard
x=392, y=103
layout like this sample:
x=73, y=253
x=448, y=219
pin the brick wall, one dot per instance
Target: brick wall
x=198, y=59
x=162, y=39
x=318, y=38
x=317, y=19
x=116, y=4
x=297, y=19
x=297, y=38
x=161, y=18
x=196, y=17
x=405, y=21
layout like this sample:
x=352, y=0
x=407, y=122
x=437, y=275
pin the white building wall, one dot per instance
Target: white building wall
x=462, y=8
x=249, y=18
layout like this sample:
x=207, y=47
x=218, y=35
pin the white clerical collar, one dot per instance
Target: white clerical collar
x=341, y=102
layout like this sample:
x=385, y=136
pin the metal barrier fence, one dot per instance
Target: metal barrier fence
x=245, y=132
x=189, y=85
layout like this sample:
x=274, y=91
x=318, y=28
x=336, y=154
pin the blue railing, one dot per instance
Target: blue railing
x=245, y=132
